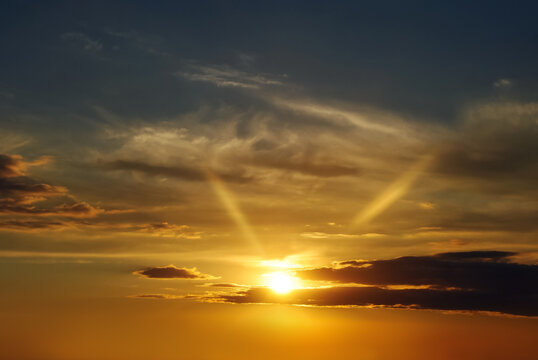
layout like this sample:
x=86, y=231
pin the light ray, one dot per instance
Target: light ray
x=233, y=209
x=392, y=193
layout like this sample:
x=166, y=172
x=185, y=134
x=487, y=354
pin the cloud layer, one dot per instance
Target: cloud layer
x=463, y=281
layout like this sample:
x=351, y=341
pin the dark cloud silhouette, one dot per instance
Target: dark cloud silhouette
x=157, y=296
x=371, y=296
x=224, y=285
x=475, y=270
x=172, y=272
x=463, y=281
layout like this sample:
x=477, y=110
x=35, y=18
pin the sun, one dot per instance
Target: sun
x=281, y=282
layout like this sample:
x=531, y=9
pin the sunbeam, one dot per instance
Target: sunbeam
x=392, y=193
x=234, y=211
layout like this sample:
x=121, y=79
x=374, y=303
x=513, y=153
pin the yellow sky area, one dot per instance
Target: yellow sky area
x=141, y=329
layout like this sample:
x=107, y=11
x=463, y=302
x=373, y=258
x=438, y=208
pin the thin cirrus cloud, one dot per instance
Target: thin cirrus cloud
x=29, y=225
x=187, y=173
x=172, y=272
x=234, y=158
x=462, y=281
x=496, y=141
x=83, y=40
x=163, y=229
x=225, y=76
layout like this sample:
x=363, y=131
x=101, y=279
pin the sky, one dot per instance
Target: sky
x=268, y=179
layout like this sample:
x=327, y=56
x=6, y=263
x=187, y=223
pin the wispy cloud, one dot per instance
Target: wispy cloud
x=226, y=76
x=83, y=40
x=503, y=83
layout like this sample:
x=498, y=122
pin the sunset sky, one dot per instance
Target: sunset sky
x=268, y=180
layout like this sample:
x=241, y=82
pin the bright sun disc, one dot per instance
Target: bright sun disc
x=281, y=282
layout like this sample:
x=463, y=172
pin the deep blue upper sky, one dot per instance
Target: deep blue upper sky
x=424, y=59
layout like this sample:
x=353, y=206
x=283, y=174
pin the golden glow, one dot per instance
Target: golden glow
x=281, y=282
x=281, y=264
x=392, y=193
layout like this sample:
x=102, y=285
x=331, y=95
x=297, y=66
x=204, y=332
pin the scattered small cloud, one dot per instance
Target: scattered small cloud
x=503, y=83
x=224, y=285
x=157, y=296
x=172, y=272
x=426, y=205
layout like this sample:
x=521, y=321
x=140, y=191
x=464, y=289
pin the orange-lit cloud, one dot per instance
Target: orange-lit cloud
x=18, y=192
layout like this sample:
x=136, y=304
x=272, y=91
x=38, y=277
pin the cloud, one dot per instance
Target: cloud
x=230, y=151
x=87, y=43
x=475, y=270
x=303, y=159
x=463, y=281
x=177, y=171
x=157, y=296
x=498, y=140
x=25, y=225
x=15, y=166
x=503, y=83
x=224, y=285
x=172, y=272
x=225, y=76
x=162, y=229
x=430, y=299
x=169, y=230
x=19, y=192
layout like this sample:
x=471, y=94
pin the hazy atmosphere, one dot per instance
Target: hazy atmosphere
x=268, y=179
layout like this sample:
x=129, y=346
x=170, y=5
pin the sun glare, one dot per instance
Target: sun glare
x=281, y=282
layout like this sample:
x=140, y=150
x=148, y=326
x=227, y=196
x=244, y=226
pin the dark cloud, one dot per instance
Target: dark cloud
x=456, y=300
x=463, y=281
x=157, y=296
x=224, y=285
x=172, y=272
x=476, y=270
x=178, y=171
